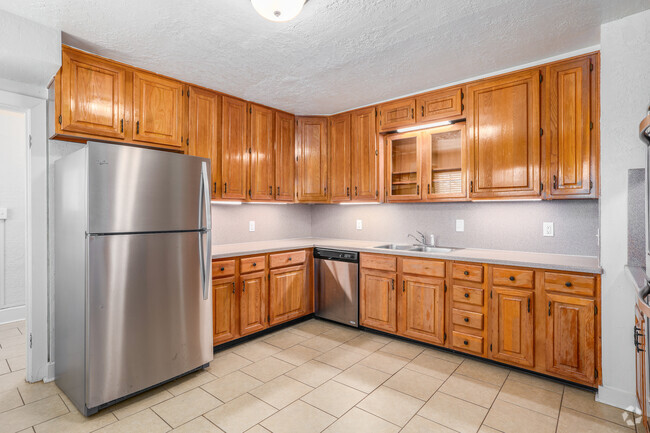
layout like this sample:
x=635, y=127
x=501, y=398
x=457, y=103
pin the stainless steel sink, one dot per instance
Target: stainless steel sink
x=421, y=248
x=403, y=247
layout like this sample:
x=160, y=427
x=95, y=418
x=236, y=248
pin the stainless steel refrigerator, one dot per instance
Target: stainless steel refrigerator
x=133, y=301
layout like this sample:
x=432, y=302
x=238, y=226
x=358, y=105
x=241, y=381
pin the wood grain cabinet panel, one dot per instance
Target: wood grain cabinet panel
x=203, y=127
x=234, y=149
x=157, y=109
x=253, y=303
x=262, y=175
x=224, y=310
x=286, y=259
x=377, y=300
x=365, y=155
x=382, y=263
x=252, y=264
x=340, y=172
x=467, y=272
x=513, y=277
x=223, y=268
x=470, y=319
x=285, y=164
x=312, y=159
x=574, y=284
x=570, y=134
x=424, y=267
x=468, y=295
x=503, y=122
x=422, y=309
x=570, y=337
x=93, y=94
x=512, y=326
x=445, y=104
x=467, y=342
x=287, y=293
x=445, y=163
x=403, y=167
x=396, y=113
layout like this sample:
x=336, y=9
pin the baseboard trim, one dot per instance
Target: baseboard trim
x=13, y=314
x=618, y=398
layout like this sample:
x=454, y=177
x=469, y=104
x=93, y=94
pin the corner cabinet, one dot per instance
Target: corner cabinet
x=503, y=129
x=312, y=159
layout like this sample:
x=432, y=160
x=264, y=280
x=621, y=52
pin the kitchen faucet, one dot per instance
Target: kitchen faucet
x=423, y=239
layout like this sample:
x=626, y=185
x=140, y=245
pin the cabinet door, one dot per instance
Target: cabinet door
x=403, y=166
x=503, y=129
x=445, y=161
x=395, y=114
x=157, y=109
x=224, y=310
x=287, y=294
x=261, y=153
x=285, y=144
x=253, y=303
x=512, y=326
x=378, y=303
x=339, y=134
x=570, y=337
x=365, y=155
x=421, y=312
x=234, y=148
x=443, y=104
x=312, y=159
x=569, y=117
x=203, y=122
x=93, y=95
x=640, y=347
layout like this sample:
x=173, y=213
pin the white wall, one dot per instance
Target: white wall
x=13, y=177
x=625, y=95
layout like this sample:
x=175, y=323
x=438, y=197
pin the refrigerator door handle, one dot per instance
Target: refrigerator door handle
x=205, y=263
x=205, y=190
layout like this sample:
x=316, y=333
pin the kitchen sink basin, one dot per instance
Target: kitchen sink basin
x=403, y=247
x=421, y=248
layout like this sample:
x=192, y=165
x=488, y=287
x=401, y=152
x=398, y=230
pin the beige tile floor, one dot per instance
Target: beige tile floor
x=317, y=377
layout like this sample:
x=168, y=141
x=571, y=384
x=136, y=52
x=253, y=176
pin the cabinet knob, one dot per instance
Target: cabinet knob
x=466, y=272
x=512, y=278
x=465, y=342
x=466, y=319
x=254, y=264
x=467, y=295
x=289, y=258
x=568, y=284
x=223, y=269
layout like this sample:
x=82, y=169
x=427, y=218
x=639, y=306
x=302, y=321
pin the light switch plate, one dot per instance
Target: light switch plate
x=251, y=226
x=460, y=225
x=359, y=224
x=547, y=229
x=3, y=213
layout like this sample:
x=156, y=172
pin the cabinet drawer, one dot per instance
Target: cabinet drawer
x=285, y=259
x=223, y=268
x=471, y=343
x=467, y=318
x=568, y=283
x=462, y=271
x=467, y=295
x=513, y=277
x=431, y=268
x=251, y=264
x=441, y=104
x=383, y=263
x=396, y=113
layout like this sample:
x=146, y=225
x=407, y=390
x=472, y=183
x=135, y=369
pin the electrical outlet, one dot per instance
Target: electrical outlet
x=251, y=226
x=460, y=225
x=3, y=213
x=359, y=225
x=547, y=229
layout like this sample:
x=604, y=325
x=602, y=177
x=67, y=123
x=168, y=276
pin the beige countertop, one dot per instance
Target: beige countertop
x=562, y=262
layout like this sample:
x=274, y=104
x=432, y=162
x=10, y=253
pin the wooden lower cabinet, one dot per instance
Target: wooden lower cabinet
x=253, y=303
x=513, y=328
x=421, y=312
x=224, y=310
x=287, y=294
x=377, y=301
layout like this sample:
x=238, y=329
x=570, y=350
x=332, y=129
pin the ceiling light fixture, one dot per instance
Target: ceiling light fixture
x=427, y=126
x=278, y=10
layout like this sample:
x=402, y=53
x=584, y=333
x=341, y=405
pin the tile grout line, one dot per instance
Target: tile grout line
x=495, y=399
x=557, y=424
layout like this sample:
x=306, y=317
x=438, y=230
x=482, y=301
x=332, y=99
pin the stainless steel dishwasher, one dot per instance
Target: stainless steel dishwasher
x=337, y=285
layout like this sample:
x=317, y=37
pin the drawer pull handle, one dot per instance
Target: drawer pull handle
x=512, y=278
x=467, y=295
x=466, y=319
x=223, y=269
x=568, y=284
x=465, y=342
x=466, y=272
x=233, y=287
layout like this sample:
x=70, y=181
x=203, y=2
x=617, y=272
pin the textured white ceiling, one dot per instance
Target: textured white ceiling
x=338, y=54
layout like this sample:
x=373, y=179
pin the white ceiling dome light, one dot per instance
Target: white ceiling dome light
x=278, y=10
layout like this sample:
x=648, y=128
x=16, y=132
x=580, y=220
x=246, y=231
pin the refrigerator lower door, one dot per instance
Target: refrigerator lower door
x=149, y=316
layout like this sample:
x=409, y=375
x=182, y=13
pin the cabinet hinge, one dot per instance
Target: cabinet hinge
x=541, y=131
x=445, y=287
x=591, y=185
x=249, y=194
x=490, y=294
x=250, y=110
x=444, y=337
x=188, y=93
x=595, y=310
x=182, y=93
x=595, y=373
x=268, y=318
x=591, y=125
x=30, y=340
x=471, y=186
x=541, y=186
x=490, y=347
x=60, y=119
x=541, y=78
x=376, y=193
x=591, y=66
x=376, y=152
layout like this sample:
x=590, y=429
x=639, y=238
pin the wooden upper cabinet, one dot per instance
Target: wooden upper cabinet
x=93, y=95
x=157, y=109
x=570, y=91
x=224, y=310
x=446, y=104
x=570, y=337
x=253, y=303
x=287, y=293
x=421, y=308
x=445, y=162
x=203, y=123
x=512, y=324
x=365, y=155
x=403, y=167
x=285, y=144
x=234, y=148
x=261, y=153
x=339, y=134
x=377, y=300
x=503, y=127
x=312, y=156
x=395, y=114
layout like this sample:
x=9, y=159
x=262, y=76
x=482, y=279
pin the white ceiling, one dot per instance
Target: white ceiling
x=338, y=54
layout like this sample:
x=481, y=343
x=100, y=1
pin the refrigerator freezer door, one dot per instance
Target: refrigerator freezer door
x=147, y=319
x=132, y=190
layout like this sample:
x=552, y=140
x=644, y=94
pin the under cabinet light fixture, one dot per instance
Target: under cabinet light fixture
x=266, y=202
x=427, y=126
x=349, y=203
x=225, y=202
x=278, y=11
